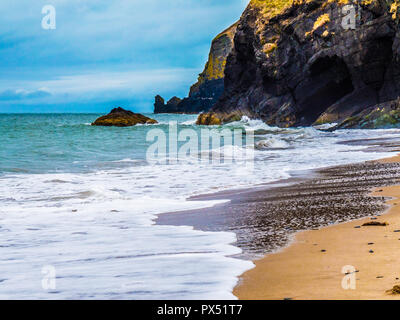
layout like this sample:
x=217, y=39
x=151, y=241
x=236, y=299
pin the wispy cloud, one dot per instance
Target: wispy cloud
x=135, y=81
x=13, y=95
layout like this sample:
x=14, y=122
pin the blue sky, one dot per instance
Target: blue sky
x=105, y=53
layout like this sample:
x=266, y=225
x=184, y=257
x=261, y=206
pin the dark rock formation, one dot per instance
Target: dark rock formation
x=298, y=63
x=208, y=119
x=210, y=85
x=385, y=115
x=211, y=118
x=159, y=104
x=119, y=117
x=172, y=105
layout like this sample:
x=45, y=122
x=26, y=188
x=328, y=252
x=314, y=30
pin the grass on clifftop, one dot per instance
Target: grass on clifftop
x=272, y=8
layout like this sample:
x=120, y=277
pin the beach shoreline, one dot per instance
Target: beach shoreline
x=269, y=219
x=321, y=264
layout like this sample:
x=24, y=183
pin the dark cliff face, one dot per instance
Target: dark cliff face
x=210, y=85
x=304, y=63
x=159, y=104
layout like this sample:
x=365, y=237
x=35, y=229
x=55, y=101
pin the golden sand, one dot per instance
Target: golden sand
x=312, y=267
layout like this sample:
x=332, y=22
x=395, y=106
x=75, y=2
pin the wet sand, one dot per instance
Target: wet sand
x=265, y=219
x=310, y=266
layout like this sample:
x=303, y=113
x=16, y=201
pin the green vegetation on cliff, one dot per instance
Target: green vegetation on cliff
x=210, y=84
x=272, y=8
x=220, y=48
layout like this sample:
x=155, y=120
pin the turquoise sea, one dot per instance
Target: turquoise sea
x=38, y=143
x=77, y=204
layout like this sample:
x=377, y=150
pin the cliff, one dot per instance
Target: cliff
x=210, y=84
x=304, y=62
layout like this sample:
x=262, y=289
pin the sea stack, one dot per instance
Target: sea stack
x=119, y=117
x=172, y=105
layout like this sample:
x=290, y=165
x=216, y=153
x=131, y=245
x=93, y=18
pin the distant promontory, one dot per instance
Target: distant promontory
x=210, y=84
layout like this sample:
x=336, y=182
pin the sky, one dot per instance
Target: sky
x=105, y=53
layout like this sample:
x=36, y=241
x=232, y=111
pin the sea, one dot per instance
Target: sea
x=78, y=203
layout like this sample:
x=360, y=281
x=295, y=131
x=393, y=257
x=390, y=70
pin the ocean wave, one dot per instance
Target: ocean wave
x=230, y=152
x=127, y=160
x=272, y=143
x=261, y=128
x=256, y=125
x=189, y=122
x=325, y=126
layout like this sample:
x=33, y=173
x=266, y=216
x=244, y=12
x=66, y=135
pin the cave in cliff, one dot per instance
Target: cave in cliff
x=329, y=81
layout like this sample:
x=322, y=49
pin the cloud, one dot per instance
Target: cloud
x=135, y=81
x=92, y=90
x=12, y=95
x=151, y=32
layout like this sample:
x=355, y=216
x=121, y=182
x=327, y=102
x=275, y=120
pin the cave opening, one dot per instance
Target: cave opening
x=329, y=80
x=375, y=62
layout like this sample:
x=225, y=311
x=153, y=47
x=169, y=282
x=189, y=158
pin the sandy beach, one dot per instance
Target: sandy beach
x=314, y=265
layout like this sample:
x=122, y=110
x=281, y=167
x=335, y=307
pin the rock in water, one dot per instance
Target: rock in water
x=211, y=119
x=208, y=119
x=296, y=63
x=159, y=104
x=119, y=117
x=172, y=105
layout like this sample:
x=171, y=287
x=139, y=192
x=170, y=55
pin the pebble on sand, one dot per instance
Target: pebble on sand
x=375, y=224
x=395, y=290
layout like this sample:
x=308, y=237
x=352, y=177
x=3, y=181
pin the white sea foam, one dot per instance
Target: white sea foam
x=112, y=250
x=189, y=122
x=326, y=126
x=272, y=143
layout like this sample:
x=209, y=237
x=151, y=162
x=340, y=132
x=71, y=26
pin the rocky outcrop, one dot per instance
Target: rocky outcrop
x=208, y=119
x=119, y=117
x=211, y=118
x=172, y=105
x=385, y=115
x=210, y=84
x=304, y=62
x=159, y=104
